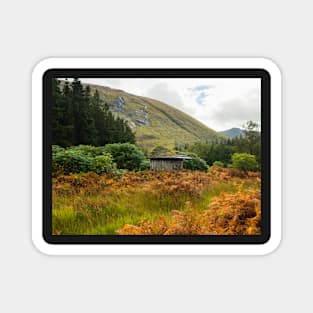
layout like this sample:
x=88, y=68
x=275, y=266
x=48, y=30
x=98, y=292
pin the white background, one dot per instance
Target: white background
x=32, y=30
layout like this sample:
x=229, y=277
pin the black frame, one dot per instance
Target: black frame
x=159, y=239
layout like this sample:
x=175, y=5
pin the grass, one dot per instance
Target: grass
x=102, y=205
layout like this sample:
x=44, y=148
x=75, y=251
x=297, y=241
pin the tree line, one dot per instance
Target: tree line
x=222, y=150
x=79, y=117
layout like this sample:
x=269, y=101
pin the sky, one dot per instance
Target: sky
x=219, y=103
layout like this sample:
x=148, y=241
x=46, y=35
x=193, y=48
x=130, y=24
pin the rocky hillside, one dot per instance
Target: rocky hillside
x=154, y=122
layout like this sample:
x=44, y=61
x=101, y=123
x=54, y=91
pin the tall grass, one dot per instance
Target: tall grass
x=101, y=205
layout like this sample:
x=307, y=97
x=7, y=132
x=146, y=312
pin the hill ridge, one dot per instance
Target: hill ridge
x=153, y=121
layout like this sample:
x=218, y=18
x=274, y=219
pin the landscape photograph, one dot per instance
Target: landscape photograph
x=156, y=156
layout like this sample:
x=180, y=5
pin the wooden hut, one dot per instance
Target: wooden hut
x=167, y=163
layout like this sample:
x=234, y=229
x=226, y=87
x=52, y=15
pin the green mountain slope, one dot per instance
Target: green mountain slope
x=154, y=122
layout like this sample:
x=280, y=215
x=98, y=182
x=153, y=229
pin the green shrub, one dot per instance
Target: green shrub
x=195, y=163
x=126, y=155
x=72, y=161
x=103, y=164
x=84, y=150
x=218, y=163
x=144, y=165
x=84, y=158
x=89, y=150
x=244, y=162
x=56, y=149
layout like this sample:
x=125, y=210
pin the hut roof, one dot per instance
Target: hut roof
x=170, y=157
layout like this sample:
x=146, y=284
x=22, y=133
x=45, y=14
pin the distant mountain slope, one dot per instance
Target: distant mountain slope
x=154, y=122
x=232, y=132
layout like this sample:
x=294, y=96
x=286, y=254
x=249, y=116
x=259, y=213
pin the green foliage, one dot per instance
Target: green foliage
x=107, y=159
x=144, y=165
x=86, y=150
x=195, y=163
x=72, y=161
x=218, y=163
x=103, y=164
x=223, y=149
x=252, y=140
x=126, y=156
x=211, y=152
x=89, y=150
x=56, y=149
x=244, y=162
x=81, y=159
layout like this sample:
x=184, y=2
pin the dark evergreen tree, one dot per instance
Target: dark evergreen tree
x=81, y=118
x=90, y=128
x=67, y=115
x=56, y=112
x=62, y=122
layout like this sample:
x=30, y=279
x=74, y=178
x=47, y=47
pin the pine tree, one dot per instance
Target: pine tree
x=56, y=110
x=82, y=118
x=91, y=136
x=67, y=115
x=99, y=118
x=83, y=123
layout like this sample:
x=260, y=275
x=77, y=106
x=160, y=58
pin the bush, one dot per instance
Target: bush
x=218, y=163
x=195, y=163
x=126, y=155
x=244, y=162
x=56, y=149
x=81, y=159
x=84, y=149
x=103, y=164
x=71, y=161
x=144, y=165
x=89, y=150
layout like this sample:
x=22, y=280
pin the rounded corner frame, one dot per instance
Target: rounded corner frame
x=268, y=247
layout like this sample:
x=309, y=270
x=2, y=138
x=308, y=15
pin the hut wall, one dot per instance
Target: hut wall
x=166, y=165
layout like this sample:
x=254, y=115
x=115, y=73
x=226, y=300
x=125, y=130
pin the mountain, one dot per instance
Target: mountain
x=155, y=123
x=232, y=132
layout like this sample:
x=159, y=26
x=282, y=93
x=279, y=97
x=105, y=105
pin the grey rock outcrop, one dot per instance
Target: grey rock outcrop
x=118, y=104
x=142, y=116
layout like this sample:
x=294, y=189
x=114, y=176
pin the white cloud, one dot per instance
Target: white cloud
x=238, y=110
x=162, y=91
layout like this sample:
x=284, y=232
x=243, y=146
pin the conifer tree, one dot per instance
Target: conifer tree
x=56, y=110
x=78, y=117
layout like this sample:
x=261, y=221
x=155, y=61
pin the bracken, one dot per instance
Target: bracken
x=228, y=214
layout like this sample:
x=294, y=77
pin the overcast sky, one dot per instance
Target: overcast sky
x=219, y=103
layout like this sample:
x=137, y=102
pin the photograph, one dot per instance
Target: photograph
x=156, y=156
